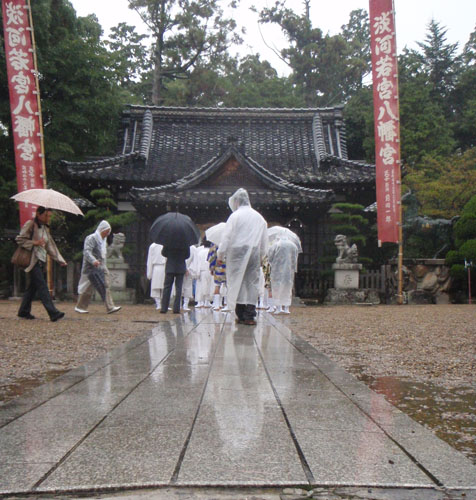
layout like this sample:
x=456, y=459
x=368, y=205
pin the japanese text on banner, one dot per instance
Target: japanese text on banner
x=386, y=116
x=23, y=100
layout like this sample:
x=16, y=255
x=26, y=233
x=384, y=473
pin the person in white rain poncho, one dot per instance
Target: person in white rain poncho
x=187, y=289
x=282, y=256
x=156, y=272
x=243, y=246
x=94, y=272
x=204, y=285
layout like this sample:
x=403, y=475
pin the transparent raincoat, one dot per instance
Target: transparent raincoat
x=282, y=256
x=243, y=246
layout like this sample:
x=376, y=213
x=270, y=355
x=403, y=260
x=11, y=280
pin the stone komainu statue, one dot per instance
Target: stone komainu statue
x=346, y=254
x=114, y=251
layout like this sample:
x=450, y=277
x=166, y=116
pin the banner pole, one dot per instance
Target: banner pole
x=400, y=209
x=38, y=99
x=49, y=264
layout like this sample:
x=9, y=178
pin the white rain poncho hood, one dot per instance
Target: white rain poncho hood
x=282, y=256
x=243, y=246
x=102, y=226
x=239, y=199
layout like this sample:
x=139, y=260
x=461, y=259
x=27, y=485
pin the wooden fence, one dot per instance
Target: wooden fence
x=310, y=284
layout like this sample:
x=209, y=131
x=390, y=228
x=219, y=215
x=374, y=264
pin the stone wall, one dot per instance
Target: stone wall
x=425, y=281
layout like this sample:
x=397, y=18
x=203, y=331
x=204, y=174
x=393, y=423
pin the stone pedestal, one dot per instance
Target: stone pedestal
x=346, y=276
x=117, y=275
x=346, y=287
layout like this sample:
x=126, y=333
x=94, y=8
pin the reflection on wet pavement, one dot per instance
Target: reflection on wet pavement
x=202, y=401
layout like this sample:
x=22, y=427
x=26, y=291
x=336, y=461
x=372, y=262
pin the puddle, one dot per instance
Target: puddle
x=23, y=385
x=449, y=412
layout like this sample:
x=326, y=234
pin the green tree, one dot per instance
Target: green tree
x=359, y=124
x=440, y=63
x=185, y=33
x=465, y=248
x=443, y=185
x=464, y=97
x=129, y=54
x=357, y=35
x=81, y=100
x=255, y=83
x=326, y=69
x=424, y=127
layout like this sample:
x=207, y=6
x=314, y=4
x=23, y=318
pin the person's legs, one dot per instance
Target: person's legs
x=108, y=296
x=168, y=282
x=249, y=312
x=239, y=311
x=84, y=299
x=43, y=293
x=216, y=298
x=178, y=292
x=25, y=307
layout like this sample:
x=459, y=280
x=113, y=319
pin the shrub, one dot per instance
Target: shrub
x=468, y=250
x=454, y=257
x=465, y=229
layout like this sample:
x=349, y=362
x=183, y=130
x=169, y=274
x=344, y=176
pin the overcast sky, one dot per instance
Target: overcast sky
x=412, y=18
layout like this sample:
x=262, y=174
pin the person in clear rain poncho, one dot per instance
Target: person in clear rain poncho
x=243, y=246
x=156, y=272
x=94, y=272
x=282, y=256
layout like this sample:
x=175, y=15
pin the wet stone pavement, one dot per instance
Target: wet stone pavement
x=202, y=403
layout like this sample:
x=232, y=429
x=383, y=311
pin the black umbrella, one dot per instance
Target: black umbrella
x=174, y=230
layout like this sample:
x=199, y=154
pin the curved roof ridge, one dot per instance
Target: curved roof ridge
x=346, y=161
x=232, y=109
x=291, y=185
x=101, y=163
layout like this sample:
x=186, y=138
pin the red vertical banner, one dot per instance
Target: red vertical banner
x=387, y=119
x=23, y=91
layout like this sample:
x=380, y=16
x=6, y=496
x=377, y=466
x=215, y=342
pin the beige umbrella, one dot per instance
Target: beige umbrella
x=215, y=233
x=48, y=198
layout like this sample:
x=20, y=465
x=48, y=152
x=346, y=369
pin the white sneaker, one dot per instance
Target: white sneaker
x=114, y=309
x=81, y=311
x=271, y=309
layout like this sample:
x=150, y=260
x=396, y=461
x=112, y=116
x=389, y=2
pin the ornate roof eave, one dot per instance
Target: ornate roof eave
x=78, y=169
x=194, y=179
x=219, y=197
x=292, y=113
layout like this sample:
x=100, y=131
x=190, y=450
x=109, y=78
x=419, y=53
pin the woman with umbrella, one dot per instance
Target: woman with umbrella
x=35, y=236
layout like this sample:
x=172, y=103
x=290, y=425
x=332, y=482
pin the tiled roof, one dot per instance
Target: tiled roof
x=193, y=186
x=207, y=197
x=163, y=145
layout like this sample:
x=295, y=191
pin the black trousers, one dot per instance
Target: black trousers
x=245, y=312
x=168, y=283
x=39, y=288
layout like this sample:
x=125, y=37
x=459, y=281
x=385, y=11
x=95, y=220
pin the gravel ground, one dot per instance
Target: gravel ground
x=422, y=358
x=424, y=342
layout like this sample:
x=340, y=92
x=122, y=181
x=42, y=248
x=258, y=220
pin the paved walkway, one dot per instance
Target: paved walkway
x=201, y=401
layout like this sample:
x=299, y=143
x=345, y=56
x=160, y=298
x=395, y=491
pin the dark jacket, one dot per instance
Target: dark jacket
x=176, y=259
